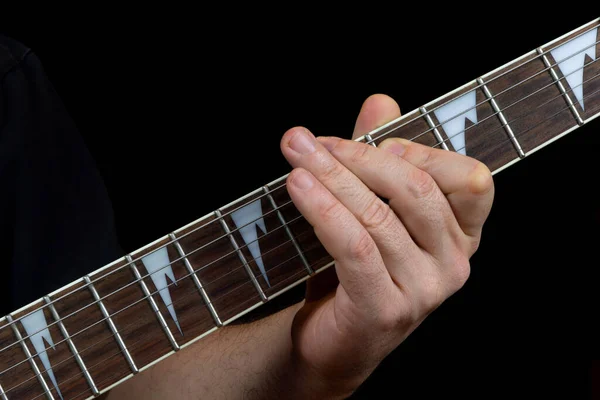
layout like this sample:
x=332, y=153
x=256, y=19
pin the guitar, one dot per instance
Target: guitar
x=91, y=335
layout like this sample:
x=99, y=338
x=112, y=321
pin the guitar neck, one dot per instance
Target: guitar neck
x=104, y=328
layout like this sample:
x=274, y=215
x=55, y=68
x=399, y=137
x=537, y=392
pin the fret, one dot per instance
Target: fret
x=2, y=394
x=50, y=351
x=72, y=346
x=34, y=366
x=502, y=118
x=90, y=334
x=17, y=378
x=173, y=291
x=468, y=125
x=543, y=115
x=150, y=299
x=433, y=127
x=264, y=242
x=112, y=325
x=287, y=228
x=315, y=254
x=369, y=138
x=197, y=282
x=575, y=63
x=560, y=86
x=216, y=263
x=412, y=126
x=257, y=285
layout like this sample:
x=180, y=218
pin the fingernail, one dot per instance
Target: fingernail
x=303, y=142
x=303, y=180
x=394, y=145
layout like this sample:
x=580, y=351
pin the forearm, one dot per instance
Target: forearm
x=241, y=361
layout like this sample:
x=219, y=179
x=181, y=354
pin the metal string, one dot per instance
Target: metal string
x=437, y=144
x=500, y=110
x=224, y=295
x=241, y=266
x=502, y=126
x=566, y=108
x=223, y=236
x=243, y=205
x=206, y=285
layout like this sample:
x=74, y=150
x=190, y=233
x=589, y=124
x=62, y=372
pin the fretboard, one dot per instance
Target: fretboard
x=104, y=328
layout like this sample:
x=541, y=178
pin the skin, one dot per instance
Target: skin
x=395, y=262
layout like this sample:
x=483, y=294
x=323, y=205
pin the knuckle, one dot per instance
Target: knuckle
x=332, y=171
x=459, y=272
x=331, y=211
x=361, y=246
x=480, y=179
x=376, y=213
x=421, y=184
x=361, y=154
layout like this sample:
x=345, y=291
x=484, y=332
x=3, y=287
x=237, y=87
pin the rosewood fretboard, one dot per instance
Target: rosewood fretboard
x=91, y=335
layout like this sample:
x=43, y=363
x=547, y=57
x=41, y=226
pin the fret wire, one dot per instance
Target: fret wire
x=539, y=123
x=494, y=114
x=71, y=357
x=560, y=87
x=437, y=144
x=34, y=367
x=211, y=221
x=159, y=317
x=284, y=262
x=197, y=282
x=124, y=329
x=299, y=217
x=398, y=127
x=554, y=115
x=502, y=118
x=72, y=347
x=145, y=276
x=499, y=93
x=167, y=286
x=505, y=108
x=242, y=257
x=288, y=232
x=133, y=346
x=436, y=132
x=112, y=326
x=2, y=394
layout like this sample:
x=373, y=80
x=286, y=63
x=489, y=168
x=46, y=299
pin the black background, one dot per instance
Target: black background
x=183, y=111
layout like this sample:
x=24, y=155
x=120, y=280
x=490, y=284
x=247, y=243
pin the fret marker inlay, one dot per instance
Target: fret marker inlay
x=158, y=266
x=573, y=53
x=247, y=219
x=37, y=329
x=452, y=117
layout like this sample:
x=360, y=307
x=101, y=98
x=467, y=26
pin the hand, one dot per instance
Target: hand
x=394, y=264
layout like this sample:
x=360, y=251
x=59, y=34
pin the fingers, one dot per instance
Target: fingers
x=466, y=182
x=302, y=150
x=359, y=266
x=412, y=193
x=377, y=110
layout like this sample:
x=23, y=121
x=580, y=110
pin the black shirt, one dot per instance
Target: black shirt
x=56, y=221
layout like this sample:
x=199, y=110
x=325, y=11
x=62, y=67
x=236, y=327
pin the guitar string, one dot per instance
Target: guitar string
x=123, y=330
x=536, y=57
x=500, y=110
x=286, y=261
x=502, y=126
x=440, y=143
x=378, y=138
x=130, y=348
x=195, y=290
